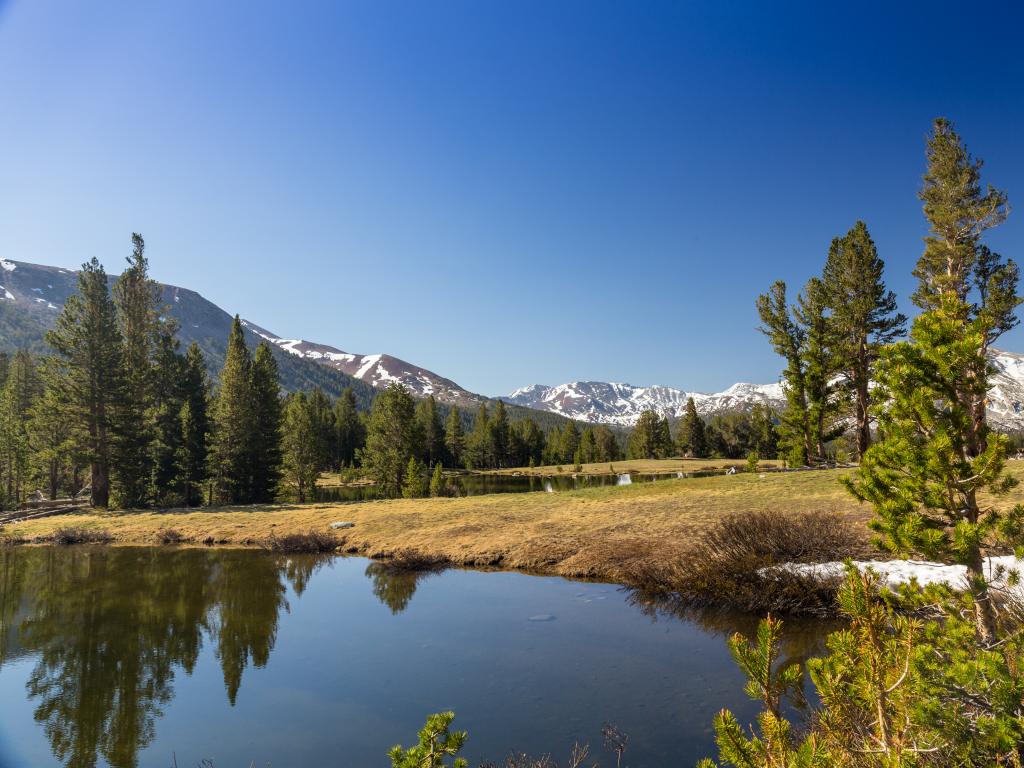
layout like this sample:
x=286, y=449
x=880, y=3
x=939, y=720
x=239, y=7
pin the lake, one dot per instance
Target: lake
x=140, y=656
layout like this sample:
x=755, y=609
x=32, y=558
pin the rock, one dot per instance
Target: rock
x=340, y=524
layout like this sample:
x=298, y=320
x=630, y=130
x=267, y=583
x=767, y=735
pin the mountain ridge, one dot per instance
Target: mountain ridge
x=621, y=404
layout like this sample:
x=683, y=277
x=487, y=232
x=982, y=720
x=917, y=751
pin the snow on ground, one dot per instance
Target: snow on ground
x=7, y=266
x=7, y=294
x=894, y=573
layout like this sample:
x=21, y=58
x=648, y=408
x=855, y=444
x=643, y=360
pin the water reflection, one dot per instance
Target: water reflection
x=109, y=628
x=394, y=587
x=103, y=633
x=802, y=638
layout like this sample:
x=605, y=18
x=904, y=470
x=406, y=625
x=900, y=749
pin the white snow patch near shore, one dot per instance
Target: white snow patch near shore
x=895, y=573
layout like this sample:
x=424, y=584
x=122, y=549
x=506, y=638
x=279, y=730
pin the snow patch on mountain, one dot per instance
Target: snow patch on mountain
x=621, y=404
x=7, y=266
x=379, y=370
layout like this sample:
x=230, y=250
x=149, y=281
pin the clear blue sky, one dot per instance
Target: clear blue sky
x=503, y=192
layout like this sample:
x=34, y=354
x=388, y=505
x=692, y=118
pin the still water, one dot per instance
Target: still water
x=480, y=484
x=143, y=656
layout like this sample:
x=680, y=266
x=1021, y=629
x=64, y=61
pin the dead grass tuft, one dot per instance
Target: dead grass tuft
x=313, y=541
x=78, y=535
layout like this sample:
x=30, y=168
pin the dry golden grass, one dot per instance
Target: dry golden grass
x=643, y=466
x=600, y=532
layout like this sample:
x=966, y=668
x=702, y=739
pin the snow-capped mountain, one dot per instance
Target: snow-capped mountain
x=622, y=404
x=378, y=370
x=1006, y=398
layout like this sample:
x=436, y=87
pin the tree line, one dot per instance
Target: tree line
x=730, y=435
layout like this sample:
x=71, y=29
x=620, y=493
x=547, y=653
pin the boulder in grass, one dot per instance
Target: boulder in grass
x=341, y=524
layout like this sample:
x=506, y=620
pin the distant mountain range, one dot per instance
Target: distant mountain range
x=31, y=296
x=622, y=404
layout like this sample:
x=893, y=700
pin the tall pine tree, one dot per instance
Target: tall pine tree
x=194, y=418
x=390, y=439
x=454, y=438
x=787, y=338
x=266, y=445
x=864, y=316
x=935, y=454
x=137, y=298
x=350, y=434
x=86, y=373
x=234, y=422
x=692, y=439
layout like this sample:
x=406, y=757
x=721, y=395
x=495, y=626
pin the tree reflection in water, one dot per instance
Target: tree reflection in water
x=395, y=586
x=109, y=628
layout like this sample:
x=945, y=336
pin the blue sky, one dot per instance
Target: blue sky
x=503, y=192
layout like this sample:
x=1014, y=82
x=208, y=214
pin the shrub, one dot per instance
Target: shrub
x=436, y=742
x=77, y=535
x=727, y=566
x=312, y=541
x=171, y=536
x=414, y=560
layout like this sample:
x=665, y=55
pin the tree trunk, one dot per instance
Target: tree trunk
x=100, y=485
x=863, y=421
x=53, y=478
x=984, y=613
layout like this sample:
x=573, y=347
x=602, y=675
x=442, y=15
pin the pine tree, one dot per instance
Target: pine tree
x=763, y=438
x=195, y=427
x=86, y=372
x=429, y=424
x=234, y=422
x=665, y=444
x=825, y=402
x=137, y=298
x=529, y=442
x=438, y=486
x=570, y=441
x=787, y=338
x=606, y=444
x=454, y=438
x=266, y=448
x=324, y=428
x=20, y=391
x=350, y=434
x=414, y=485
x=166, y=441
x=50, y=439
x=864, y=315
x=390, y=439
x=499, y=436
x=479, y=452
x=692, y=440
x=646, y=438
x=301, y=448
x=588, y=447
x=934, y=455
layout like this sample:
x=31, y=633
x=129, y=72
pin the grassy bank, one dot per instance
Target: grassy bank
x=606, y=533
x=593, y=532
